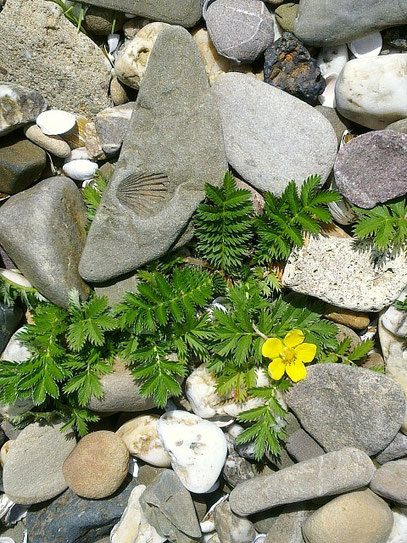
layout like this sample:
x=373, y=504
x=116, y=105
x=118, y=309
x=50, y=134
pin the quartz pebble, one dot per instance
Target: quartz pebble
x=54, y=145
x=55, y=121
x=80, y=170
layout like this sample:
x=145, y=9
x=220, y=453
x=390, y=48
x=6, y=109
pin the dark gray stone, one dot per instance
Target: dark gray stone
x=9, y=319
x=342, y=406
x=395, y=38
x=287, y=528
x=325, y=23
x=71, y=519
x=182, y=12
x=237, y=470
x=396, y=449
x=390, y=481
x=240, y=29
x=168, y=507
x=21, y=163
x=231, y=528
x=289, y=67
x=372, y=168
x=116, y=288
x=43, y=231
x=302, y=446
x=100, y=21
x=327, y=475
x=18, y=106
x=161, y=173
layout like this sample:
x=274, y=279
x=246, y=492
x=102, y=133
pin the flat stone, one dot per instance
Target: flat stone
x=302, y=446
x=71, y=71
x=33, y=470
x=395, y=450
x=43, y=231
x=289, y=66
x=358, y=517
x=327, y=475
x=111, y=127
x=18, y=105
x=131, y=228
x=342, y=406
x=180, y=12
x=381, y=77
x=398, y=126
x=287, y=528
x=390, y=481
x=232, y=528
x=339, y=273
x=272, y=137
x=9, y=319
x=332, y=23
x=372, y=168
x=353, y=319
x=168, y=507
x=53, y=144
x=240, y=29
x=71, y=519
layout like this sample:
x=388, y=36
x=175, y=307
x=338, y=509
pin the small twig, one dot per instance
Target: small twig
x=259, y=333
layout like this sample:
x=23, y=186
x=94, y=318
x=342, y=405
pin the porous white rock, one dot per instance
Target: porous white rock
x=55, y=121
x=80, y=170
x=132, y=60
x=367, y=46
x=141, y=439
x=197, y=449
x=373, y=91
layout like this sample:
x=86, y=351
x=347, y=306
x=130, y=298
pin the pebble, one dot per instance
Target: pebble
x=33, y=469
x=358, y=517
x=390, y=481
x=18, y=105
x=368, y=408
x=287, y=527
x=327, y=475
x=331, y=60
x=21, y=163
x=347, y=333
x=118, y=92
x=141, y=439
x=114, y=290
x=54, y=145
x=395, y=37
x=372, y=168
x=367, y=46
x=381, y=77
x=80, y=169
x=232, y=528
x=131, y=63
x=399, y=531
x=292, y=141
x=395, y=320
x=197, y=449
x=333, y=270
x=215, y=64
x=133, y=25
x=97, y=466
x=5, y=448
x=353, y=319
x=302, y=446
x=285, y=16
x=398, y=126
x=54, y=122
x=111, y=127
x=240, y=29
x=100, y=21
x=92, y=143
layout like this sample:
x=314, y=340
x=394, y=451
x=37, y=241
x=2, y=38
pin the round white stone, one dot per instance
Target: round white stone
x=55, y=121
x=80, y=170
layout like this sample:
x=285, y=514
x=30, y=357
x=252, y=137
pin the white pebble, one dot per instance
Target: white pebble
x=368, y=46
x=55, y=121
x=80, y=170
x=78, y=154
x=331, y=60
x=327, y=98
x=113, y=41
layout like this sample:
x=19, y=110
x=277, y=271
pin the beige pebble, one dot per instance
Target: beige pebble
x=4, y=450
x=118, y=93
x=353, y=319
x=53, y=144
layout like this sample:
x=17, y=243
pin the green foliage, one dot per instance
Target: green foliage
x=75, y=13
x=384, y=226
x=11, y=294
x=345, y=354
x=288, y=217
x=401, y=304
x=92, y=195
x=224, y=225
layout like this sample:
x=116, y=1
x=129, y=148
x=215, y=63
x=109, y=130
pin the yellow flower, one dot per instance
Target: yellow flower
x=289, y=356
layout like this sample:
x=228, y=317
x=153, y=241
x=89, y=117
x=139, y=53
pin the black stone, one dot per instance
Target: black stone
x=289, y=66
x=9, y=319
x=396, y=37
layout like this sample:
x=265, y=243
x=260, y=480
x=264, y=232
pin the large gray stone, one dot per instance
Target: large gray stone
x=115, y=289
x=324, y=23
x=270, y=136
x=9, y=319
x=396, y=449
x=33, y=469
x=341, y=406
x=182, y=12
x=38, y=43
x=342, y=274
x=287, y=528
x=43, y=230
x=173, y=146
x=390, y=481
x=18, y=106
x=328, y=475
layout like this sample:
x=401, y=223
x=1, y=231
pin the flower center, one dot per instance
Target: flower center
x=287, y=355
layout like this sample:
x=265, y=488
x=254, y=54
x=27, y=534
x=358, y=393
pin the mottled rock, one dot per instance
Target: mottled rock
x=289, y=67
x=232, y=528
x=371, y=168
x=292, y=141
x=390, y=481
x=168, y=507
x=236, y=469
x=331, y=23
x=240, y=29
x=71, y=71
x=339, y=273
x=9, y=319
x=287, y=527
x=395, y=450
x=33, y=471
x=21, y=163
x=100, y=21
x=111, y=127
x=71, y=519
x=285, y=16
x=381, y=77
x=43, y=231
x=182, y=12
x=358, y=517
x=130, y=227
x=302, y=446
x=53, y=144
x=18, y=105
x=367, y=408
x=327, y=475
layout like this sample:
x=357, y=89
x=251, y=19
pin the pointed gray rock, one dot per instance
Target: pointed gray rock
x=182, y=12
x=43, y=231
x=174, y=146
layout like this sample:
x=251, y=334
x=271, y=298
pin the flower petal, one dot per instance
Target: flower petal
x=272, y=347
x=305, y=352
x=296, y=371
x=277, y=369
x=293, y=338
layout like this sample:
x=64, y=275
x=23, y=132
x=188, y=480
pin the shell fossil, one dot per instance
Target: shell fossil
x=145, y=193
